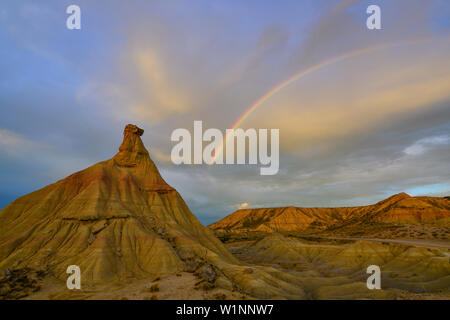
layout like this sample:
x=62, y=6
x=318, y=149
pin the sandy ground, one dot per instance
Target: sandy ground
x=184, y=286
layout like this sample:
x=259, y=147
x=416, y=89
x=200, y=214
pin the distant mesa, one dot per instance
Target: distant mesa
x=399, y=209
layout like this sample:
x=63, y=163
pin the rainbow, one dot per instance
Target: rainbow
x=294, y=78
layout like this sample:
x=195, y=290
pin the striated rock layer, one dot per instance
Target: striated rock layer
x=399, y=209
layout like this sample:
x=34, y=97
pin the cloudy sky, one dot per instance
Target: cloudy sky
x=351, y=133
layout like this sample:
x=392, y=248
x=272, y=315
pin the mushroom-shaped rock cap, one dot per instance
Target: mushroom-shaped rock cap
x=131, y=128
x=133, y=156
x=132, y=147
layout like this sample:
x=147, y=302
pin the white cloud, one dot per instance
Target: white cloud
x=12, y=143
x=421, y=146
x=239, y=206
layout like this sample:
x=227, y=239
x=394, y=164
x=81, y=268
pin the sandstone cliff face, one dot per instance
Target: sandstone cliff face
x=398, y=209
